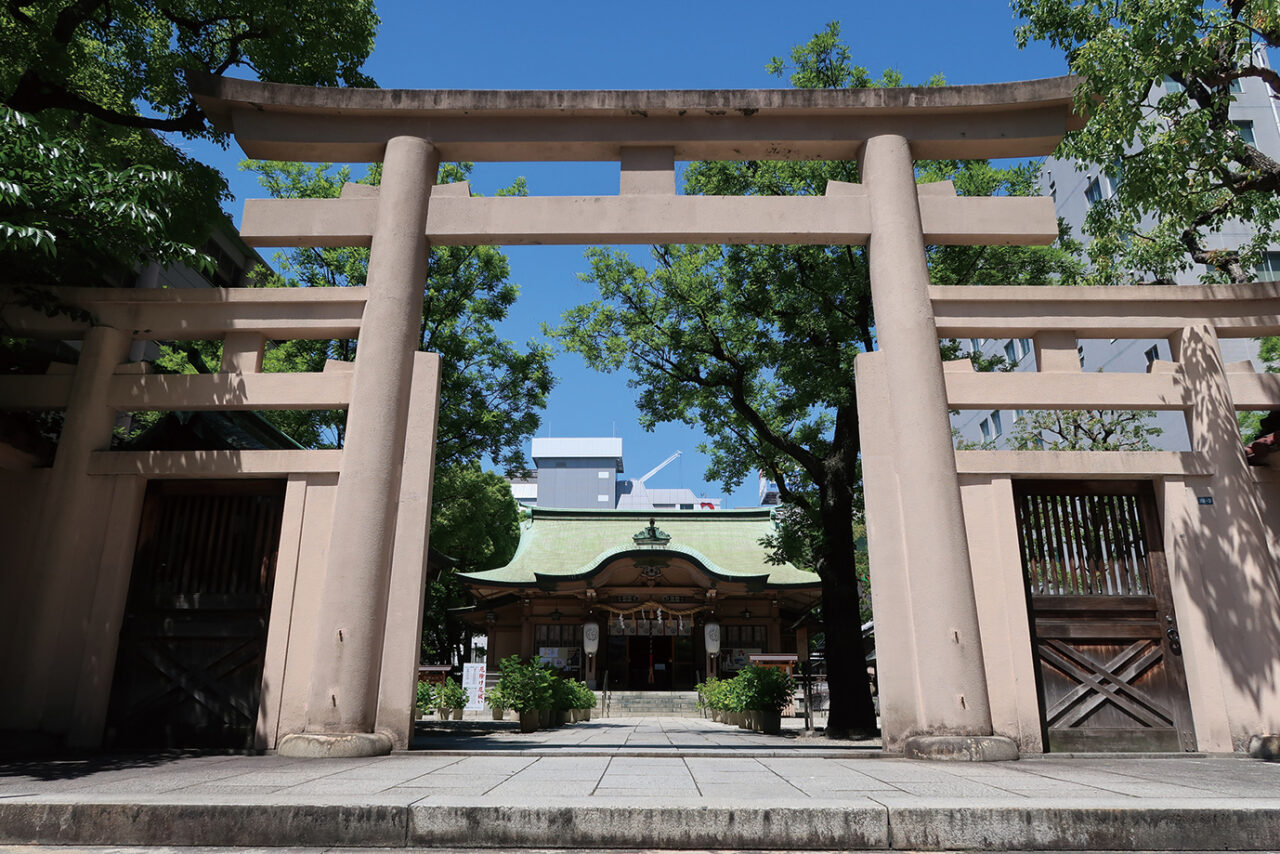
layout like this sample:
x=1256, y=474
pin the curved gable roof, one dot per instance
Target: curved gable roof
x=575, y=544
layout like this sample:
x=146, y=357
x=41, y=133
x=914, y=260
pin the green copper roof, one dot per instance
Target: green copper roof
x=565, y=544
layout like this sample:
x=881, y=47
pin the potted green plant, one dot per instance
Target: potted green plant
x=497, y=702
x=526, y=688
x=711, y=698
x=586, y=700
x=425, y=698
x=453, y=697
x=562, y=700
x=770, y=690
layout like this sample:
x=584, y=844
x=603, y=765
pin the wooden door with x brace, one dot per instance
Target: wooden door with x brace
x=1105, y=636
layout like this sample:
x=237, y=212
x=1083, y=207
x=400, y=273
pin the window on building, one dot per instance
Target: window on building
x=1024, y=347
x=1171, y=85
x=986, y=429
x=1245, y=128
x=686, y=506
x=558, y=634
x=1269, y=267
x=1053, y=190
x=603, y=475
x=976, y=344
x=1011, y=352
x=1080, y=353
x=604, y=498
x=745, y=637
x=1237, y=87
x=1115, y=172
x=1019, y=414
x=1093, y=192
x=1152, y=355
x=996, y=425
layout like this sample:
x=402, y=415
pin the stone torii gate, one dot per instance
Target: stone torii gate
x=647, y=132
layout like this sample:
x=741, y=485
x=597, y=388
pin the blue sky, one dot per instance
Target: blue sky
x=696, y=44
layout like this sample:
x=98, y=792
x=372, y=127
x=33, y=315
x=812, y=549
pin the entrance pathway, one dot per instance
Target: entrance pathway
x=580, y=796
x=658, y=736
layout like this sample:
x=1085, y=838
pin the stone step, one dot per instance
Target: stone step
x=653, y=704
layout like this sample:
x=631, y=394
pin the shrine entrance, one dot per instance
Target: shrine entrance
x=652, y=663
x=954, y=648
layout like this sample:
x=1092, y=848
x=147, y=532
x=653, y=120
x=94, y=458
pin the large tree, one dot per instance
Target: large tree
x=1182, y=168
x=756, y=344
x=88, y=190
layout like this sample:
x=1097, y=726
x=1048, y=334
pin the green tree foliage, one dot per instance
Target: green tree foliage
x=126, y=62
x=1182, y=167
x=88, y=191
x=69, y=214
x=474, y=523
x=1085, y=430
x=756, y=345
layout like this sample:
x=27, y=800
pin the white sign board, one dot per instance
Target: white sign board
x=473, y=682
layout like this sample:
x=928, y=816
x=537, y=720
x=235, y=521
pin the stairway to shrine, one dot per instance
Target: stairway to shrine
x=631, y=704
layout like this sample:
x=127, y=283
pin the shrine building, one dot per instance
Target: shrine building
x=646, y=584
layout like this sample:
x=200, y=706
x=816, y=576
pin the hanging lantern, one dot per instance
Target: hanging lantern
x=712, y=636
x=590, y=637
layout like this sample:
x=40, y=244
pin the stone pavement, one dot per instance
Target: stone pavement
x=645, y=783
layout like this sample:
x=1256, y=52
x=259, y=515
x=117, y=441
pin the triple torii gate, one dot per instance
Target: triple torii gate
x=647, y=132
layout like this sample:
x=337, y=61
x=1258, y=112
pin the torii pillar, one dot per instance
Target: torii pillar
x=343, y=702
x=952, y=715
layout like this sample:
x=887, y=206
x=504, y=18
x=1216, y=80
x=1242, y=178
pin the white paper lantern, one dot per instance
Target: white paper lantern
x=712, y=636
x=591, y=637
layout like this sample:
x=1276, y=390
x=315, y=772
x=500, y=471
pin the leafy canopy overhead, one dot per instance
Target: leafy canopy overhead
x=126, y=63
x=95, y=206
x=88, y=191
x=1181, y=166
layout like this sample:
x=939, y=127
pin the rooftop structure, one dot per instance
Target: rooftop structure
x=581, y=473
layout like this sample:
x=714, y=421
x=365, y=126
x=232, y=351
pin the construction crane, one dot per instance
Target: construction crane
x=659, y=467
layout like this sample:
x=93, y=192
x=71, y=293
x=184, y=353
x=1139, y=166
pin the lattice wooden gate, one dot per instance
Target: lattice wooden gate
x=1103, y=626
x=189, y=668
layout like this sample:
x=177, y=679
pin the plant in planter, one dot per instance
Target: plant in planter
x=585, y=700
x=453, y=697
x=526, y=688
x=563, y=699
x=768, y=690
x=425, y=698
x=713, y=698
x=497, y=702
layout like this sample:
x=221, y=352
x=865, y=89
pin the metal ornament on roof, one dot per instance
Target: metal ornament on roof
x=652, y=535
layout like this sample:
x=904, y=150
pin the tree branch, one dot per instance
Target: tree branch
x=33, y=95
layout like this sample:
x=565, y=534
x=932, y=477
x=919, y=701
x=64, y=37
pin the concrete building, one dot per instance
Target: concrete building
x=582, y=473
x=1074, y=189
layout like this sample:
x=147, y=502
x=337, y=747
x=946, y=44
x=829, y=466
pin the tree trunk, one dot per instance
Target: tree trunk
x=851, y=712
